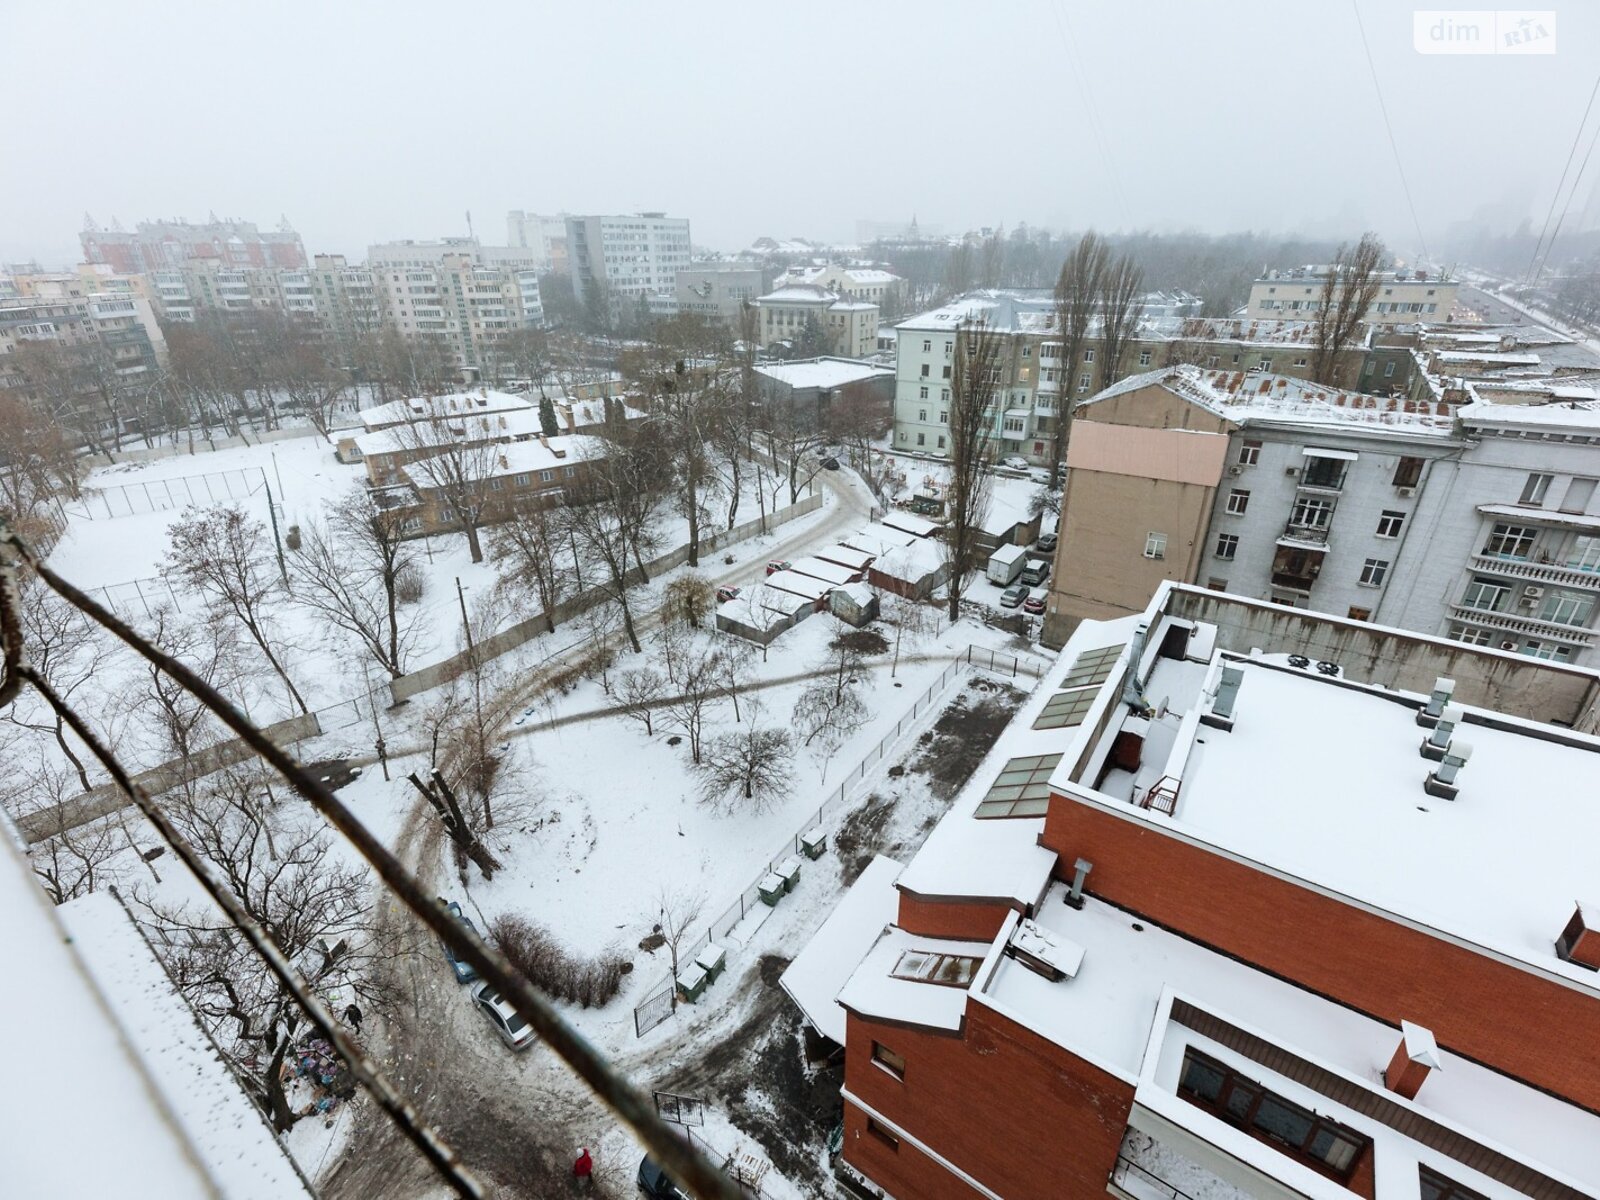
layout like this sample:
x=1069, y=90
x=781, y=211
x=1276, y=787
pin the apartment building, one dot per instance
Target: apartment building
x=545, y=235
x=720, y=289
x=537, y=470
x=850, y=326
x=347, y=299
x=467, y=304
x=410, y=252
x=623, y=258
x=1404, y=297
x=1475, y=521
x=158, y=245
x=1244, y=902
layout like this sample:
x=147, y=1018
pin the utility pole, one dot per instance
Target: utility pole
x=272, y=511
x=461, y=595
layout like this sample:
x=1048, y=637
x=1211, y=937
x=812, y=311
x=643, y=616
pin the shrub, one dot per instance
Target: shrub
x=408, y=584
x=547, y=965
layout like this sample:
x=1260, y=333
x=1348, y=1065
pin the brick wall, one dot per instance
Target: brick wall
x=1050, y=1123
x=937, y=917
x=1475, y=1005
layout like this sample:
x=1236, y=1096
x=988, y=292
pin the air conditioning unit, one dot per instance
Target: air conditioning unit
x=1235, y=470
x=1291, y=471
x=1406, y=493
x=1508, y=645
x=1531, y=594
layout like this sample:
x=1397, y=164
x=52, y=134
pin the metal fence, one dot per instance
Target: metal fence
x=656, y=1007
x=1002, y=664
x=162, y=495
x=137, y=595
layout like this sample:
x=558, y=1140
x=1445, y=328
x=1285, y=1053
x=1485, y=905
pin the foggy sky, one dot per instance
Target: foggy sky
x=364, y=122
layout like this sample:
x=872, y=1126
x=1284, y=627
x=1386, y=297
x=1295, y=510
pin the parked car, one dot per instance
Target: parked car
x=1034, y=606
x=830, y=463
x=777, y=565
x=724, y=594
x=507, y=1021
x=657, y=1184
x=1046, y=543
x=1016, y=462
x=1040, y=476
x=1014, y=595
x=1036, y=572
x=465, y=971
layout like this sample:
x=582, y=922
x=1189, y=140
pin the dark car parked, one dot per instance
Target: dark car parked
x=657, y=1184
x=465, y=971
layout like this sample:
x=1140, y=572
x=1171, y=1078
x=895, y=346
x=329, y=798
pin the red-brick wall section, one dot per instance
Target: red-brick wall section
x=950, y=918
x=1535, y=1029
x=1019, y=1114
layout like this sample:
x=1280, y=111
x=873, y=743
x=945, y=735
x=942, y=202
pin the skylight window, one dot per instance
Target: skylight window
x=1093, y=666
x=1066, y=709
x=1022, y=788
x=927, y=966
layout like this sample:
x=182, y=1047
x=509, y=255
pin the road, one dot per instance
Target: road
x=516, y=1120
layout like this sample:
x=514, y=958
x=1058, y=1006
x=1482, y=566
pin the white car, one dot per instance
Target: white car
x=507, y=1021
x=1016, y=462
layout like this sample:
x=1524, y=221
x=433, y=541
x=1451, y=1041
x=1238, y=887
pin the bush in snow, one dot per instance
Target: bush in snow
x=549, y=967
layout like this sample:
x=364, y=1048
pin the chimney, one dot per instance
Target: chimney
x=1442, y=782
x=1437, y=742
x=1080, y=873
x=1443, y=689
x=1415, y=1056
x=1580, y=940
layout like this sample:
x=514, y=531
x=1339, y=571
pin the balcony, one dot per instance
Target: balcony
x=1535, y=572
x=1524, y=626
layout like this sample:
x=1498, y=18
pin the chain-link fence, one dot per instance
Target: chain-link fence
x=105, y=501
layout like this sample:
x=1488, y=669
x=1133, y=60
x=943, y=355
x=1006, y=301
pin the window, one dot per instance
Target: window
x=927, y=345
x=1534, y=489
x=1388, y=370
x=1548, y=651
x=1249, y=453
x=1265, y=364
x=1238, y=501
x=1083, y=382
x=546, y=476
x=1470, y=635
x=922, y=393
x=1297, y=1131
x=1579, y=493
x=1390, y=523
x=1093, y=666
x=1022, y=789
x=1088, y=355
x=1027, y=352
x=524, y=479
x=1066, y=709
x=1155, y=545
x=888, y=1059
x=1583, y=554
x=1408, y=472
x=497, y=484
x=946, y=374
x=1359, y=614
x=941, y=441
x=924, y=370
x=1144, y=358
x=1486, y=595
x=1322, y=472
x=1373, y=572
x=922, y=414
x=1567, y=608
x=922, y=440
x=1217, y=585
x=1510, y=541
x=881, y=1131
x=1437, y=1187
x=931, y=966
x=1311, y=512
x=1227, y=545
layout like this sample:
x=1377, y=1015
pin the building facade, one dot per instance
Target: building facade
x=719, y=290
x=624, y=258
x=156, y=245
x=545, y=235
x=850, y=327
x=1404, y=297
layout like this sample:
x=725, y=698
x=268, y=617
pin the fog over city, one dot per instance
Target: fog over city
x=368, y=121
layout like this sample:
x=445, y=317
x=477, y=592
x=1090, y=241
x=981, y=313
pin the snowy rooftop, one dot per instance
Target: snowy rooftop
x=822, y=372
x=1527, y=816
x=1255, y=331
x=533, y=454
x=1259, y=398
x=879, y=987
x=422, y=407
x=819, y=971
x=912, y=562
x=876, y=539
x=480, y=426
x=1580, y=414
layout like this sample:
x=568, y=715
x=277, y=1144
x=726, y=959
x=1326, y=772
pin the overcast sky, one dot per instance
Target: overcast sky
x=363, y=122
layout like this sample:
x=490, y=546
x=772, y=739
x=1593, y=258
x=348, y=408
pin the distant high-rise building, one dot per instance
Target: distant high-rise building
x=626, y=257
x=545, y=235
x=155, y=245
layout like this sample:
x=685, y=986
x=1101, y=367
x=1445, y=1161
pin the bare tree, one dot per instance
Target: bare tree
x=532, y=548
x=677, y=912
x=974, y=385
x=218, y=553
x=733, y=670
x=697, y=688
x=176, y=722
x=688, y=598
x=638, y=692
x=458, y=825
x=71, y=653
x=611, y=513
x=753, y=763
x=69, y=859
x=911, y=621
x=1120, y=311
x=1348, y=291
x=1078, y=290
x=284, y=874
x=792, y=434
x=39, y=462
x=352, y=565
x=453, y=457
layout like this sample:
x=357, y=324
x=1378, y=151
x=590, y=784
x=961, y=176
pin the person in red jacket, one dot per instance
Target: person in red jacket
x=583, y=1170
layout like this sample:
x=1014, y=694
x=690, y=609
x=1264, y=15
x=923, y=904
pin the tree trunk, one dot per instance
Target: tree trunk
x=470, y=528
x=283, y=1117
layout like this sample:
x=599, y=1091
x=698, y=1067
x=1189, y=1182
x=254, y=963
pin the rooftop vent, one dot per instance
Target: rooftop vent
x=1580, y=940
x=1415, y=1056
x=1437, y=743
x=1443, y=689
x=1442, y=781
x=1080, y=873
x=1045, y=952
x=1222, y=705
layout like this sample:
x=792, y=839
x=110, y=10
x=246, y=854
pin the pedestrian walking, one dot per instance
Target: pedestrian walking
x=583, y=1170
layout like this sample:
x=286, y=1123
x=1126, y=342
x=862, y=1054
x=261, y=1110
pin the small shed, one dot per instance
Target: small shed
x=910, y=523
x=794, y=582
x=879, y=539
x=830, y=573
x=856, y=560
x=760, y=614
x=913, y=571
x=854, y=604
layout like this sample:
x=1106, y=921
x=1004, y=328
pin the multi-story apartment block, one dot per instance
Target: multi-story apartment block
x=346, y=297
x=850, y=326
x=155, y=245
x=624, y=258
x=1245, y=902
x=545, y=235
x=1477, y=522
x=411, y=253
x=719, y=290
x=1404, y=297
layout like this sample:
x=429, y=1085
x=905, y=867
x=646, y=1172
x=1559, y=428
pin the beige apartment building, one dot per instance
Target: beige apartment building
x=850, y=325
x=1404, y=297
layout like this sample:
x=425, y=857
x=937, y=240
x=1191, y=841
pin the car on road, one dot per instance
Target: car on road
x=1034, y=606
x=657, y=1184
x=465, y=971
x=777, y=565
x=724, y=594
x=507, y=1021
x=1015, y=461
x=1014, y=595
x=1040, y=476
x=1046, y=543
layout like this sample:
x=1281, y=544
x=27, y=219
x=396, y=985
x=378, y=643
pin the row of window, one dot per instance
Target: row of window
x=1373, y=570
x=1579, y=494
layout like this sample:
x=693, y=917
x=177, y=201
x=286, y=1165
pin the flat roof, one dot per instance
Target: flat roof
x=818, y=973
x=822, y=372
x=1501, y=866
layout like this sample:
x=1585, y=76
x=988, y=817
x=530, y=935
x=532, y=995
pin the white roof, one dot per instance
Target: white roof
x=876, y=539
x=475, y=426
x=845, y=556
x=1008, y=554
x=822, y=372
x=817, y=973
x=913, y=562
x=1582, y=413
x=800, y=585
x=910, y=522
x=415, y=408
x=828, y=572
x=874, y=991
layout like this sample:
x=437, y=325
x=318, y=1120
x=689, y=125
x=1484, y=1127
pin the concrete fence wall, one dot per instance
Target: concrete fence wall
x=526, y=630
x=143, y=454
x=101, y=801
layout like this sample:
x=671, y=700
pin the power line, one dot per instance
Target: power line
x=1576, y=180
x=1062, y=30
x=1394, y=146
x=1556, y=195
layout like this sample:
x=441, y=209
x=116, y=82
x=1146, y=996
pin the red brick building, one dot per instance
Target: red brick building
x=1207, y=923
